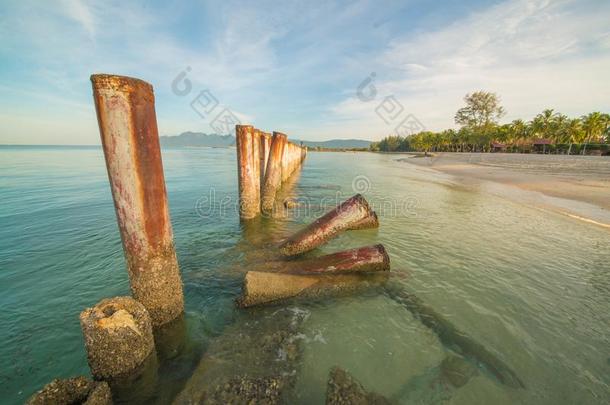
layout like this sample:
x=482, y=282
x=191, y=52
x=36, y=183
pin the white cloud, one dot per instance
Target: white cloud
x=290, y=64
x=534, y=54
x=80, y=13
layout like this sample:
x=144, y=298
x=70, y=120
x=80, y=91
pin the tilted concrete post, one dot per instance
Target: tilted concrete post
x=353, y=213
x=264, y=287
x=365, y=259
x=273, y=173
x=128, y=128
x=360, y=260
x=248, y=171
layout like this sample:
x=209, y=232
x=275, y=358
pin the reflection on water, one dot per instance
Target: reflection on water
x=512, y=304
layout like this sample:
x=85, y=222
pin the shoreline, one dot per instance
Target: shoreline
x=580, y=192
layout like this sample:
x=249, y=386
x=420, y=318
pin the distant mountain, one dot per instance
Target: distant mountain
x=336, y=143
x=199, y=139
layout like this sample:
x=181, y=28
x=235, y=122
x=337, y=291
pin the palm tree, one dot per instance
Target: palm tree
x=606, y=131
x=544, y=123
x=575, y=132
x=559, y=134
x=594, y=124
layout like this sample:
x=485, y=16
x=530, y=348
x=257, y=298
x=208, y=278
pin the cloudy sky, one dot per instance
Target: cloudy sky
x=297, y=66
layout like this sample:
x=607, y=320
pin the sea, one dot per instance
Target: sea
x=517, y=297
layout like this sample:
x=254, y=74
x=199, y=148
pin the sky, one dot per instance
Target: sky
x=315, y=70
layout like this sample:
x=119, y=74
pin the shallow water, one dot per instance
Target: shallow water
x=531, y=287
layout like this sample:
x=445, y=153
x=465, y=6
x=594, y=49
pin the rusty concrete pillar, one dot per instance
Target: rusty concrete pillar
x=291, y=159
x=265, y=143
x=248, y=171
x=354, y=213
x=128, y=128
x=118, y=337
x=273, y=173
x=285, y=160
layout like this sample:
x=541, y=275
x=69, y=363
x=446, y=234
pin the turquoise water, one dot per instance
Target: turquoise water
x=532, y=287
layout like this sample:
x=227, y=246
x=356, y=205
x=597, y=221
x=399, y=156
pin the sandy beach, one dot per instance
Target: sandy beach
x=577, y=186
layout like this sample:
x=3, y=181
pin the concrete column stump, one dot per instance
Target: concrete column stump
x=118, y=337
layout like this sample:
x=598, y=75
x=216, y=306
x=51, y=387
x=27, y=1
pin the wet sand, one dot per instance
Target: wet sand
x=577, y=186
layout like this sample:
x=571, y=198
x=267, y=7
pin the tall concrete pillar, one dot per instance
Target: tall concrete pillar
x=273, y=173
x=248, y=171
x=128, y=128
x=264, y=155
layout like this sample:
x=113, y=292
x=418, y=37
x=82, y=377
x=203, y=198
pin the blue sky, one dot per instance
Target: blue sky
x=295, y=66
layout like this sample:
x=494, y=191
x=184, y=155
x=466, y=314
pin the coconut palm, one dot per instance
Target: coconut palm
x=594, y=125
x=543, y=124
x=575, y=132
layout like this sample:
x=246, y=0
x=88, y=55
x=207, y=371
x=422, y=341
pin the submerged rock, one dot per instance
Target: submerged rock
x=77, y=390
x=245, y=390
x=456, y=371
x=100, y=395
x=253, y=361
x=343, y=389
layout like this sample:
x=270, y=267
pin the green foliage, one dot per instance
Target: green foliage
x=482, y=111
x=480, y=132
x=391, y=143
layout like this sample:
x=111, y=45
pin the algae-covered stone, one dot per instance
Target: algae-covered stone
x=244, y=390
x=343, y=389
x=100, y=394
x=257, y=357
x=456, y=371
x=77, y=390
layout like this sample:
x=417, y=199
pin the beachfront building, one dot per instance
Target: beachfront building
x=540, y=145
x=497, y=147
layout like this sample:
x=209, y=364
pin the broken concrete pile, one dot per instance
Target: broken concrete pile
x=264, y=163
x=337, y=272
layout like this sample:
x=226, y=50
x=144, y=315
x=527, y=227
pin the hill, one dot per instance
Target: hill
x=337, y=144
x=199, y=139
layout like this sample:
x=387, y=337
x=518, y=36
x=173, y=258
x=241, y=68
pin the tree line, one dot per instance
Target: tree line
x=547, y=132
